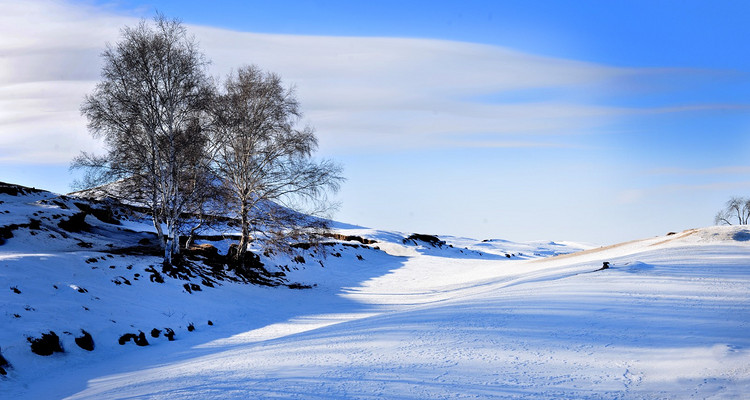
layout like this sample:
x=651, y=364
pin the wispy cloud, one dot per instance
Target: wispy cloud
x=358, y=92
x=729, y=170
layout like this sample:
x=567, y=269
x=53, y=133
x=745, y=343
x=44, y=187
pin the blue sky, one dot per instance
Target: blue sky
x=597, y=121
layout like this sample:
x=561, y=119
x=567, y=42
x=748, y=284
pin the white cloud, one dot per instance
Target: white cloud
x=358, y=92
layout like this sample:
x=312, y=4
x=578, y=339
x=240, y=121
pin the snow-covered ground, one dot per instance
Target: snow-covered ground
x=396, y=319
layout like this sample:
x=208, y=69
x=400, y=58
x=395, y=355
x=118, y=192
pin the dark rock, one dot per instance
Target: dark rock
x=210, y=322
x=155, y=333
x=15, y=290
x=191, y=327
x=169, y=334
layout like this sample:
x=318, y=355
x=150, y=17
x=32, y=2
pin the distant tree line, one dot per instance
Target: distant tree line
x=186, y=147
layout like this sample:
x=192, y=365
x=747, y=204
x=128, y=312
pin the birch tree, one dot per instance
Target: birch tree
x=150, y=108
x=737, y=210
x=265, y=159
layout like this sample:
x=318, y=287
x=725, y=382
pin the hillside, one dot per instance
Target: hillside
x=398, y=316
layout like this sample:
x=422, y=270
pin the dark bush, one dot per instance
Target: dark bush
x=4, y=365
x=103, y=214
x=76, y=223
x=169, y=334
x=430, y=239
x=85, y=342
x=139, y=339
x=155, y=333
x=298, y=286
x=46, y=345
x=191, y=287
x=191, y=327
x=126, y=338
x=35, y=224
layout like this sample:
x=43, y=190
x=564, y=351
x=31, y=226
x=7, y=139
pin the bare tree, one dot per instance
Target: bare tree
x=149, y=108
x=736, y=209
x=265, y=161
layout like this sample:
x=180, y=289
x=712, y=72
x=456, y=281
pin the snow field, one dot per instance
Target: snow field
x=397, y=320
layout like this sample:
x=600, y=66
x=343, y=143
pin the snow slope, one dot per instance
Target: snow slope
x=396, y=319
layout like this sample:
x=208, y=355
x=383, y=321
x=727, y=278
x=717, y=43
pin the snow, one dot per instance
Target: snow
x=668, y=319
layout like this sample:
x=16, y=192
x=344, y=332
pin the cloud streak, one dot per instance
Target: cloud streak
x=360, y=93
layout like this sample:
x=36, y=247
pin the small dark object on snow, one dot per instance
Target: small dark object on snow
x=507, y=255
x=605, y=265
x=298, y=286
x=191, y=287
x=155, y=333
x=126, y=338
x=671, y=233
x=46, y=345
x=85, y=342
x=209, y=322
x=433, y=240
x=359, y=257
x=4, y=365
x=76, y=223
x=15, y=290
x=191, y=327
x=141, y=339
x=169, y=334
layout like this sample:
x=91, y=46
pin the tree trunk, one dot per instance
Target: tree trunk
x=245, y=236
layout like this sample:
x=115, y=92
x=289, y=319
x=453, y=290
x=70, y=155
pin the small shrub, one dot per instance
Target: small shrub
x=4, y=365
x=85, y=342
x=76, y=223
x=46, y=345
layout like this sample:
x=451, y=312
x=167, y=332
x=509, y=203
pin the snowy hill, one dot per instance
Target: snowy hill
x=386, y=315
